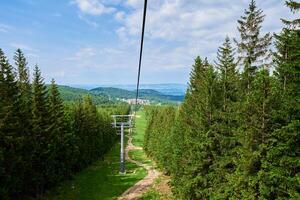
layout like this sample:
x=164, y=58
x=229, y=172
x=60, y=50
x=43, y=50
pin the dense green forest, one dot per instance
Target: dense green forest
x=42, y=140
x=237, y=133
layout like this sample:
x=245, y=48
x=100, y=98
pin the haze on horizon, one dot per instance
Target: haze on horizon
x=96, y=42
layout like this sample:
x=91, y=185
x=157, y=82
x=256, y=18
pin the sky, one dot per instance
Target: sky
x=96, y=42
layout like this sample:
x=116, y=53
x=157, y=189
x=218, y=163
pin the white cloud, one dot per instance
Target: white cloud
x=197, y=27
x=180, y=20
x=176, y=32
x=93, y=7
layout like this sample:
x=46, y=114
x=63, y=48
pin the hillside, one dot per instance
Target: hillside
x=148, y=94
x=70, y=94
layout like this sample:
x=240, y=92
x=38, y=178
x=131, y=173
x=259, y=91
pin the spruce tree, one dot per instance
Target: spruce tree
x=197, y=115
x=287, y=60
x=40, y=133
x=226, y=123
x=58, y=137
x=253, y=47
x=25, y=105
x=11, y=141
x=228, y=74
x=25, y=90
x=281, y=167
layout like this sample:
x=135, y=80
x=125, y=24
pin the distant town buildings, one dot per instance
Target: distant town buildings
x=139, y=101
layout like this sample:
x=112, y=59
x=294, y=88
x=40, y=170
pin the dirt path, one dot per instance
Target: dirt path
x=143, y=185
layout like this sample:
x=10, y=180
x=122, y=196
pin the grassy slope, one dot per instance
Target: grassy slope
x=100, y=181
x=139, y=155
x=141, y=123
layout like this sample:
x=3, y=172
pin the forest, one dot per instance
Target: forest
x=236, y=135
x=43, y=140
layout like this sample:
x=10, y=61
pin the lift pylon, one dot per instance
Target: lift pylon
x=122, y=122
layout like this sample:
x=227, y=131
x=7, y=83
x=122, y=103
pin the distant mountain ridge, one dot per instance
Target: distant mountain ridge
x=174, y=89
x=105, y=95
x=149, y=94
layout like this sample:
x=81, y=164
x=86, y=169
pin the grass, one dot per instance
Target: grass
x=101, y=181
x=139, y=155
x=140, y=124
x=151, y=195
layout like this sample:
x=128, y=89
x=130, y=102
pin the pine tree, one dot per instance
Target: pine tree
x=281, y=167
x=226, y=123
x=11, y=141
x=25, y=105
x=197, y=115
x=56, y=106
x=25, y=90
x=40, y=133
x=228, y=74
x=59, y=138
x=253, y=48
x=287, y=60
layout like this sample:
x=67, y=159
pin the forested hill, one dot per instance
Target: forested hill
x=108, y=95
x=149, y=94
x=71, y=94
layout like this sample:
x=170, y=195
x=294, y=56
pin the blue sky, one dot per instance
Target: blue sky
x=97, y=41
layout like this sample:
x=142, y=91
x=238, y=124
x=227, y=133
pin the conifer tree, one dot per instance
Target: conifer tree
x=197, y=115
x=40, y=133
x=11, y=141
x=25, y=104
x=56, y=110
x=281, y=167
x=25, y=90
x=226, y=124
x=287, y=60
x=253, y=48
x=58, y=137
x=228, y=74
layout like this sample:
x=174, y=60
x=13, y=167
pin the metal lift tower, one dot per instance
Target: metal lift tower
x=122, y=122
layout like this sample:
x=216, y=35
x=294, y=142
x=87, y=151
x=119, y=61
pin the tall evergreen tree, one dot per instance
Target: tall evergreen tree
x=25, y=104
x=11, y=141
x=228, y=73
x=287, y=60
x=40, y=133
x=24, y=88
x=197, y=115
x=281, y=167
x=226, y=123
x=253, y=48
x=58, y=138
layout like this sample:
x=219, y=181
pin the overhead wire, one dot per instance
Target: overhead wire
x=140, y=59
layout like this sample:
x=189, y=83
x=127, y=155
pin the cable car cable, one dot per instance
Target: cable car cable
x=141, y=54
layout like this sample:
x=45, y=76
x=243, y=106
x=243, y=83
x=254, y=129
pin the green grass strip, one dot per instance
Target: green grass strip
x=101, y=181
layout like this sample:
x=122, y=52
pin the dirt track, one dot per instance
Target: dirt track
x=143, y=185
